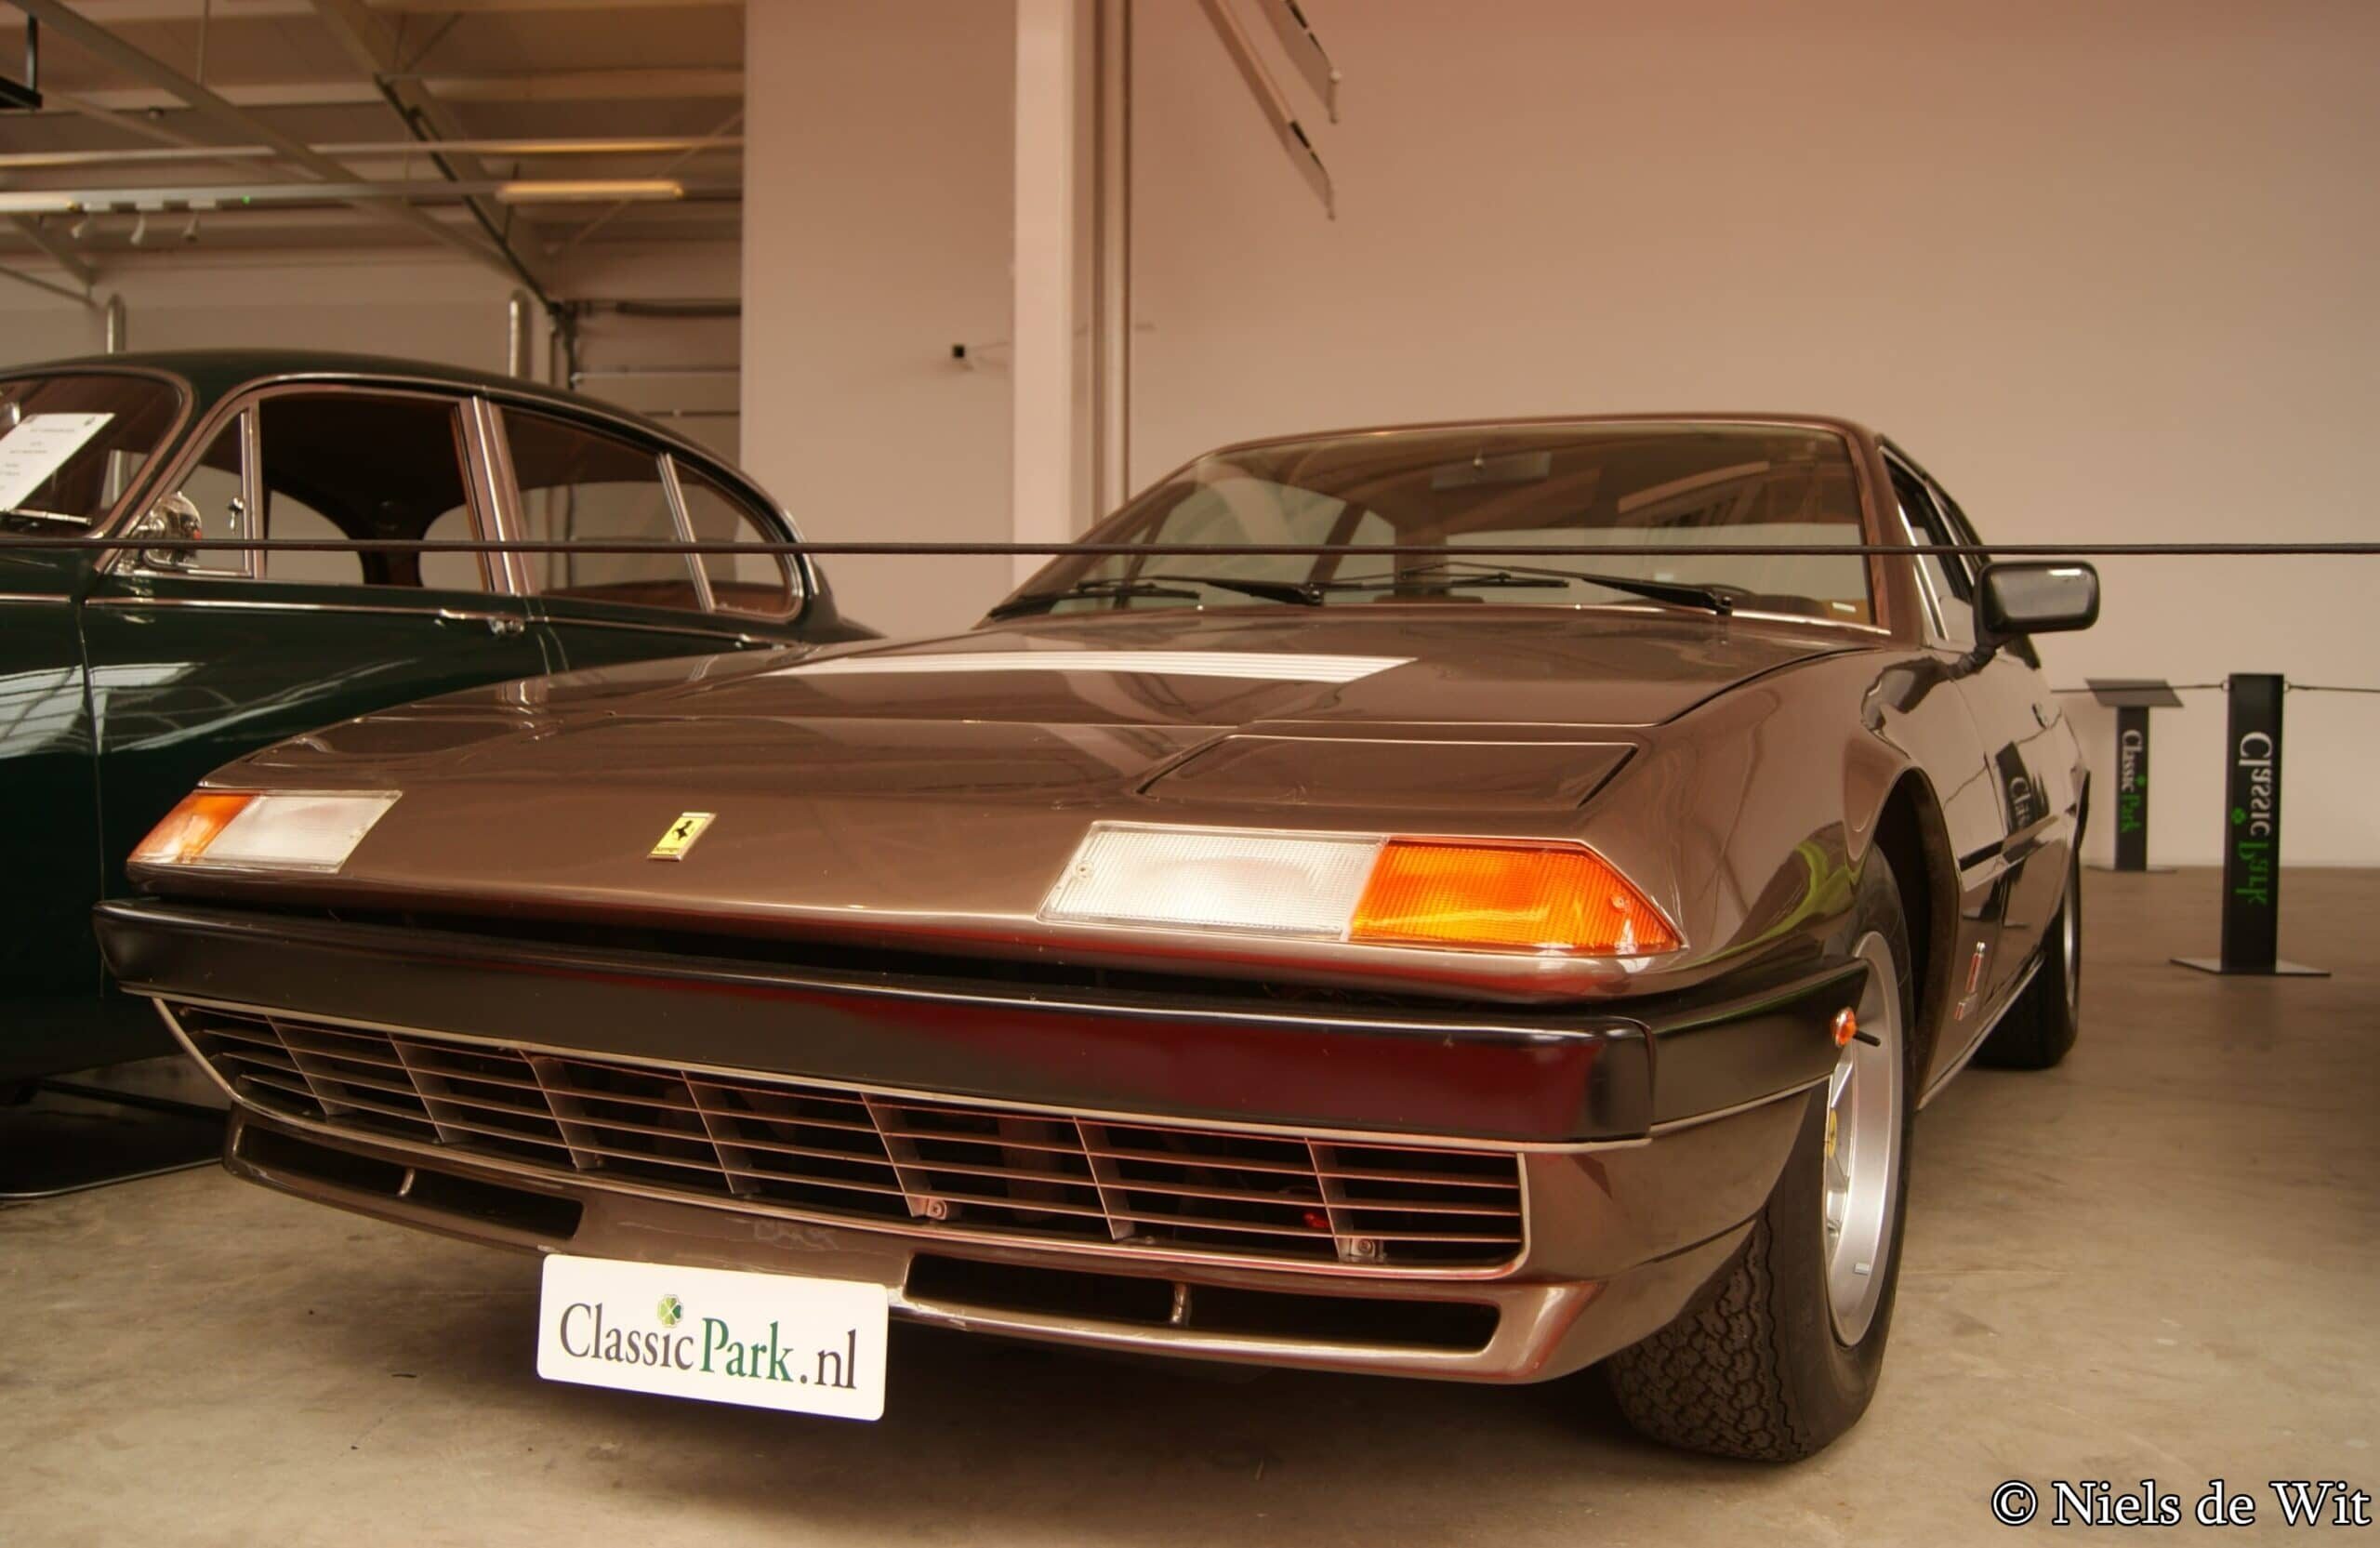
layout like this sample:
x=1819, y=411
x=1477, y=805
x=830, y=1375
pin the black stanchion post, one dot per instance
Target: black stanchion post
x=2252, y=836
x=2132, y=699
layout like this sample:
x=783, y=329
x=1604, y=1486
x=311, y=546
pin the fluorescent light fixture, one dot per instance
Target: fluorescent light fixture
x=590, y=191
x=283, y=831
x=528, y=191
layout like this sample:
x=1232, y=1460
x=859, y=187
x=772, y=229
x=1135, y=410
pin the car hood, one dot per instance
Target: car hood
x=937, y=787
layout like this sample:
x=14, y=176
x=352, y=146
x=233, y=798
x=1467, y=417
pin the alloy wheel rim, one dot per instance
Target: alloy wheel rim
x=1863, y=1140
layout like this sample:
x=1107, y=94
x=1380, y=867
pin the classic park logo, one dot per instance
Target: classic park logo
x=2132, y=781
x=2254, y=818
x=711, y=1347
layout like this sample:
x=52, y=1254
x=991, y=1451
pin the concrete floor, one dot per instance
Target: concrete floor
x=2158, y=1261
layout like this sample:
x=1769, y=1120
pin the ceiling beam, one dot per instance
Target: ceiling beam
x=555, y=85
x=374, y=150
x=79, y=298
x=60, y=253
x=114, y=52
x=121, y=13
x=372, y=44
x=205, y=198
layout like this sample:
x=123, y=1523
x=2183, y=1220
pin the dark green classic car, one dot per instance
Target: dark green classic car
x=128, y=674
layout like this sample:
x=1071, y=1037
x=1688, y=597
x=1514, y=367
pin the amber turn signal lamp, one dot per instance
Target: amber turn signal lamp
x=1541, y=897
x=1846, y=1026
x=195, y=822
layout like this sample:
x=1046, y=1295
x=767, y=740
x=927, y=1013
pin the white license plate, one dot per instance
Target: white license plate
x=768, y=1340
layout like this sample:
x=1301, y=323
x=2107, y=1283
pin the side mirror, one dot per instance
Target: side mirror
x=174, y=516
x=2012, y=601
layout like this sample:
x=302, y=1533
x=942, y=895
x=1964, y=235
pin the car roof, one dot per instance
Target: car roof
x=214, y=373
x=1689, y=419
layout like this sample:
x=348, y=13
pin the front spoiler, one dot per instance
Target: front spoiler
x=1556, y=1079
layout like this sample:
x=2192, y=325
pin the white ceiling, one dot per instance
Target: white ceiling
x=321, y=71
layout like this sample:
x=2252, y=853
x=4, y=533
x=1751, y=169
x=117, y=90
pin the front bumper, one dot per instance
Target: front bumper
x=1613, y=1231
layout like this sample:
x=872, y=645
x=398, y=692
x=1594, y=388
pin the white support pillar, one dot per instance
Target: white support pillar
x=1046, y=451
x=1111, y=278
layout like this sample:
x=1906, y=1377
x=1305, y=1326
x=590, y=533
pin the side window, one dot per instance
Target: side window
x=739, y=582
x=213, y=489
x=293, y=520
x=577, y=484
x=1947, y=579
x=360, y=465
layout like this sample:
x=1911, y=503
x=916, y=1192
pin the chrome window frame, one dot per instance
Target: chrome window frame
x=1936, y=606
x=666, y=457
x=247, y=403
x=240, y=564
x=495, y=482
x=796, y=592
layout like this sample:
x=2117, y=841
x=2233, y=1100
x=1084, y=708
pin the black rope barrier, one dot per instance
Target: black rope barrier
x=1200, y=551
x=2219, y=687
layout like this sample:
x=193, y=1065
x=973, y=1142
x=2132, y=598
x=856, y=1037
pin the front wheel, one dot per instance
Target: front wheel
x=1779, y=1355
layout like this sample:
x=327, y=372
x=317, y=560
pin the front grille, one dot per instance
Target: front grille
x=958, y=1166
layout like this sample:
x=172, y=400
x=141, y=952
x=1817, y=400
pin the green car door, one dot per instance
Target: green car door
x=49, y=972
x=197, y=659
x=72, y=445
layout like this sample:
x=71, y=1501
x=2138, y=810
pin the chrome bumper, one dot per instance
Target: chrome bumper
x=1617, y=1248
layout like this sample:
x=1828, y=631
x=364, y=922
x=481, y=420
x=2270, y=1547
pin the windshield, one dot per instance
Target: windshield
x=71, y=444
x=1485, y=498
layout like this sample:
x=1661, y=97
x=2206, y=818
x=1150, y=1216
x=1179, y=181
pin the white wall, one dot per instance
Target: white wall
x=441, y=309
x=435, y=306
x=2107, y=269
x=876, y=222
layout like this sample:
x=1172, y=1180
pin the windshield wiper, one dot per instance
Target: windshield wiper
x=1158, y=585
x=1442, y=573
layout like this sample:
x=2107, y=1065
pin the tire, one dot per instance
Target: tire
x=2040, y=1028
x=1758, y=1367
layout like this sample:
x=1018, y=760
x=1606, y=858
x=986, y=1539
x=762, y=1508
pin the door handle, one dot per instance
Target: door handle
x=502, y=625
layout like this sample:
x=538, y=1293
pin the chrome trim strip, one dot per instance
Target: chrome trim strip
x=253, y=514
x=57, y=599
x=1094, y=1333
x=675, y=495
x=1095, y=1115
x=268, y=604
x=1695, y=1120
x=1984, y=1028
x=504, y=495
x=715, y=625
x=547, y=1180
x=1254, y=665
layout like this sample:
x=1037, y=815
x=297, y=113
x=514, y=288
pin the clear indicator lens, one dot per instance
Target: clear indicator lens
x=263, y=832
x=298, y=832
x=1192, y=878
